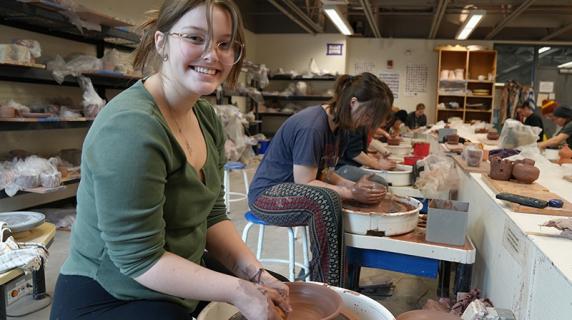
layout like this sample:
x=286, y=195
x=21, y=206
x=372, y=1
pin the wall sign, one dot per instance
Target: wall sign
x=392, y=81
x=335, y=49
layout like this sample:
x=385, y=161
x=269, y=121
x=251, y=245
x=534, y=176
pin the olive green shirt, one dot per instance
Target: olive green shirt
x=138, y=197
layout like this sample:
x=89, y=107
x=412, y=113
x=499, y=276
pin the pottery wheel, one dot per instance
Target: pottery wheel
x=385, y=206
x=239, y=316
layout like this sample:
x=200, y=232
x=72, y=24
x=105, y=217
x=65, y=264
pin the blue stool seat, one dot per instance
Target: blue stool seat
x=250, y=217
x=233, y=165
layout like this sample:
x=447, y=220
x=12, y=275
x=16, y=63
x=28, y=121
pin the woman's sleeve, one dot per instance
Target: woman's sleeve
x=128, y=160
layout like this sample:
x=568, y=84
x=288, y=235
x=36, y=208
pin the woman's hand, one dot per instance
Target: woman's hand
x=258, y=302
x=386, y=164
x=368, y=192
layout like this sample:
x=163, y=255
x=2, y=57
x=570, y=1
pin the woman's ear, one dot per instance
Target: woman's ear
x=354, y=103
x=160, y=42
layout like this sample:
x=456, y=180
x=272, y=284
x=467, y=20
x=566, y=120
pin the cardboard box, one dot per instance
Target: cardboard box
x=447, y=222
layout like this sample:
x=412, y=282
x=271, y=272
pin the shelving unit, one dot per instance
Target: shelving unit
x=50, y=20
x=474, y=64
x=273, y=120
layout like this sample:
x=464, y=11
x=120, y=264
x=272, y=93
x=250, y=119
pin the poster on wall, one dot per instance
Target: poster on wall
x=363, y=66
x=392, y=81
x=415, y=79
x=334, y=49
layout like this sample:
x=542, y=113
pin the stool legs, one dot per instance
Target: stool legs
x=305, y=253
x=291, y=250
x=260, y=242
x=245, y=179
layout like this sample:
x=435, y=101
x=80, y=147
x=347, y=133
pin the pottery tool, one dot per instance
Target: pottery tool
x=525, y=201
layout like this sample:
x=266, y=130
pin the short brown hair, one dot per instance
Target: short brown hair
x=420, y=106
x=167, y=16
x=373, y=93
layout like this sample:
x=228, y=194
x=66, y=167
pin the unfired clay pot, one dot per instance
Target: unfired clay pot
x=501, y=169
x=427, y=315
x=524, y=171
x=393, y=141
x=482, y=130
x=493, y=135
x=453, y=139
x=565, y=152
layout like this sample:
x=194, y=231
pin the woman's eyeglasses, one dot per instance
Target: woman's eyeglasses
x=229, y=52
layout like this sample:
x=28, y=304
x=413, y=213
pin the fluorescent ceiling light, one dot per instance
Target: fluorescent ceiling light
x=474, y=18
x=334, y=13
x=565, y=65
x=543, y=49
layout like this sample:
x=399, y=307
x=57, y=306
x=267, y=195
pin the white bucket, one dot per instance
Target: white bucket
x=400, y=178
x=362, y=306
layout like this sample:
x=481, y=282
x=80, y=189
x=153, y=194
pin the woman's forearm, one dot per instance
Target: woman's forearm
x=179, y=277
x=368, y=161
x=554, y=141
x=225, y=245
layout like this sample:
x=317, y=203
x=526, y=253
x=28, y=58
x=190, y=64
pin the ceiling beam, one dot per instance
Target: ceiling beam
x=316, y=27
x=371, y=19
x=557, y=32
x=293, y=18
x=508, y=19
x=441, y=9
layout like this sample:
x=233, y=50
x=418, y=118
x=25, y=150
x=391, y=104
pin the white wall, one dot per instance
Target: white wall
x=402, y=52
x=294, y=51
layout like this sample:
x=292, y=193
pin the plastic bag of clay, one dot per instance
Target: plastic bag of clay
x=74, y=67
x=438, y=177
x=515, y=134
x=92, y=103
x=33, y=45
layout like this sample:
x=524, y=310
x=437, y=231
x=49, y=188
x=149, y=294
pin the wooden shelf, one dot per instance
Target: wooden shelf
x=480, y=81
x=477, y=110
x=301, y=78
x=42, y=76
x=452, y=95
x=450, y=110
x=297, y=98
x=17, y=124
x=483, y=97
x=53, y=23
x=23, y=200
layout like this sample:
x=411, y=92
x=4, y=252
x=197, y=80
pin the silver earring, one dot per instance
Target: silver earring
x=165, y=58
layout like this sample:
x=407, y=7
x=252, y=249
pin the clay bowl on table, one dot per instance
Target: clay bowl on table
x=427, y=315
x=393, y=141
x=565, y=152
x=453, y=139
x=493, y=135
x=481, y=130
x=524, y=171
x=501, y=169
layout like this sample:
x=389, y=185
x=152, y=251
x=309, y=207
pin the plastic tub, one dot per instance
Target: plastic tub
x=389, y=224
x=421, y=149
x=396, y=178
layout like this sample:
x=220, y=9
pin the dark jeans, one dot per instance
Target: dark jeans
x=78, y=297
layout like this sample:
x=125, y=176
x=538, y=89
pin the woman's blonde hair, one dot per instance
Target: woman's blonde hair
x=167, y=16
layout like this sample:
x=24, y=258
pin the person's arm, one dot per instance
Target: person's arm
x=307, y=175
x=369, y=161
x=423, y=121
x=554, y=141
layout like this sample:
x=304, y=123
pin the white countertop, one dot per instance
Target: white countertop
x=558, y=250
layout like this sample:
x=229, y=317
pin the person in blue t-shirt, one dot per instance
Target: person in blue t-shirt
x=296, y=183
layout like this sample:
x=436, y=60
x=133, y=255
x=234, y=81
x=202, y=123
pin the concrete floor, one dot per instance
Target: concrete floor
x=410, y=292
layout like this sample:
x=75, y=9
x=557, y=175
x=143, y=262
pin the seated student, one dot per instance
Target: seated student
x=394, y=127
x=295, y=183
x=562, y=118
x=518, y=114
x=532, y=119
x=355, y=155
x=417, y=118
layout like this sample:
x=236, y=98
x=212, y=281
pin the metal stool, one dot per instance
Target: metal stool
x=253, y=220
x=237, y=196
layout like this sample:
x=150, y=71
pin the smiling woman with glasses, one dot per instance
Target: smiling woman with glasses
x=151, y=200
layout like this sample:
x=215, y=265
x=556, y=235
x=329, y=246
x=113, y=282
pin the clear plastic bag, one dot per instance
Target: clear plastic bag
x=515, y=134
x=92, y=103
x=438, y=177
x=74, y=67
